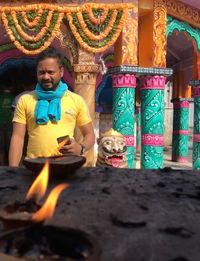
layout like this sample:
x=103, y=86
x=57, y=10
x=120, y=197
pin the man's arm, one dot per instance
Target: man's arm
x=16, y=144
x=74, y=147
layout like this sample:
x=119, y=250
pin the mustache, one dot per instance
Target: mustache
x=46, y=81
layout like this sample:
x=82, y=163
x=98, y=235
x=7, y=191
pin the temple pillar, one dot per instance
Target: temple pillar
x=85, y=82
x=196, y=130
x=124, y=81
x=152, y=121
x=180, y=140
x=123, y=110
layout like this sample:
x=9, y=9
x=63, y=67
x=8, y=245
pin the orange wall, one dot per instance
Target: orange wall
x=146, y=40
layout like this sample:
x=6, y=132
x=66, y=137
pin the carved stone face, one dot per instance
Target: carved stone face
x=112, y=151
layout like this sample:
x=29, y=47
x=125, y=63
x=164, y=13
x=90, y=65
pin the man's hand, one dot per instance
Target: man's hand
x=74, y=148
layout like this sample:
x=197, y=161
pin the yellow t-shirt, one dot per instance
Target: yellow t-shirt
x=42, y=140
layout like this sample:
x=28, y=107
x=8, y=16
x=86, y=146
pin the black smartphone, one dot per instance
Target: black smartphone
x=64, y=138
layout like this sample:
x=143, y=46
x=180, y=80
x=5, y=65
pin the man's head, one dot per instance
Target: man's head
x=49, y=69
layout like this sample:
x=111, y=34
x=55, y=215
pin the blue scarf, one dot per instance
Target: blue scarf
x=48, y=105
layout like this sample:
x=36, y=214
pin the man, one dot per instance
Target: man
x=49, y=112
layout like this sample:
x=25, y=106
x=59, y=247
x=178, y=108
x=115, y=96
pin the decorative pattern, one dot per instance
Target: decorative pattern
x=152, y=122
x=159, y=34
x=129, y=140
x=124, y=80
x=32, y=28
x=196, y=129
x=153, y=82
x=139, y=70
x=123, y=113
x=173, y=24
x=130, y=38
x=152, y=140
x=180, y=138
x=183, y=12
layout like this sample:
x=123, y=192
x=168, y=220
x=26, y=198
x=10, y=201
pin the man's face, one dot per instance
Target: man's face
x=49, y=73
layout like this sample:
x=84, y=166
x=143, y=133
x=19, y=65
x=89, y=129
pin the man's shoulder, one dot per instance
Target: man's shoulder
x=73, y=95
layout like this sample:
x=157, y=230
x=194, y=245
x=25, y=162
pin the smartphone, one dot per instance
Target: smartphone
x=64, y=139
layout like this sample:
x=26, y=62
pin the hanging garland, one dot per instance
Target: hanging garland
x=32, y=28
x=23, y=38
x=95, y=39
x=38, y=26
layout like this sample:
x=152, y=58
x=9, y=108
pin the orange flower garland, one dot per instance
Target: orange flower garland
x=41, y=33
x=68, y=11
x=35, y=20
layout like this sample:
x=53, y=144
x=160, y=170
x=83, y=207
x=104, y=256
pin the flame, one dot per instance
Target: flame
x=47, y=210
x=62, y=143
x=39, y=186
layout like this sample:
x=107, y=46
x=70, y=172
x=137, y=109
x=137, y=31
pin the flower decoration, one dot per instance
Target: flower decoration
x=32, y=28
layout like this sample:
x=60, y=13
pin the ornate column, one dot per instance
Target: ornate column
x=180, y=138
x=123, y=110
x=85, y=81
x=196, y=130
x=124, y=81
x=152, y=118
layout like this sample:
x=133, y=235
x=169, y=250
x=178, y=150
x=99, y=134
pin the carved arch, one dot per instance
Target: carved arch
x=180, y=26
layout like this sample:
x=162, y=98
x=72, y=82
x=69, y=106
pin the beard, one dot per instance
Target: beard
x=49, y=85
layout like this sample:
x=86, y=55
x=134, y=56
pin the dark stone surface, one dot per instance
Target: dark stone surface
x=136, y=215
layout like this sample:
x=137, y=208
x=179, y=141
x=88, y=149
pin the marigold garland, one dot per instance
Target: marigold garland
x=94, y=26
x=102, y=34
x=98, y=20
x=34, y=22
x=96, y=46
x=41, y=33
x=43, y=41
x=38, y=27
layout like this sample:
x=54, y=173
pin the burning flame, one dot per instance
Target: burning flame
x=39, y=186
x=62, y=143
x=47, y=210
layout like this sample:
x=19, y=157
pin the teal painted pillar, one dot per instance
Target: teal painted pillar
x=123, y=110
x=152, y=121
x=196, y=129
x=138, y=128
x=180, y=140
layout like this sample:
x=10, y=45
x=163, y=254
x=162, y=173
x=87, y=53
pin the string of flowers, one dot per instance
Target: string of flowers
x=102, y=34
x=40, y=34
x=94, y=26
x=23, y=44
x=34, y=22
x=38, y=27
x=96, y=46
x=97, y=20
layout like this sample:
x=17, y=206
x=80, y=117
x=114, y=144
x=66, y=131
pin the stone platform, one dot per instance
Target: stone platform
x=135, y=215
